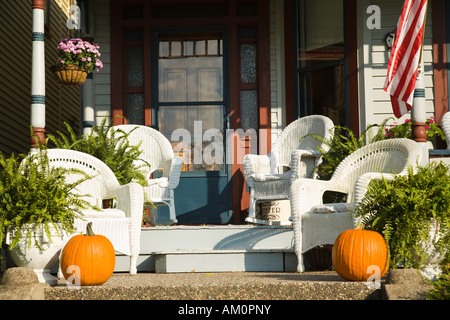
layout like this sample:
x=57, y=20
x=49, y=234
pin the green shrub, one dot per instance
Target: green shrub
x=404, y=209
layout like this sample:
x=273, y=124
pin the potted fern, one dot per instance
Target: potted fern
x=110, y=146
x=412, y=212
x=37, y=211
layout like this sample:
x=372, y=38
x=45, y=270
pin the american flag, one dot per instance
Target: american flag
x=405, y=56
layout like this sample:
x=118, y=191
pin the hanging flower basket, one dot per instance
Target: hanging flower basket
x=76, y=58
x=69, y=74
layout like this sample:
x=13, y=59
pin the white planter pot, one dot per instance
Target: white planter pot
x=431, y=266
x=32, y=257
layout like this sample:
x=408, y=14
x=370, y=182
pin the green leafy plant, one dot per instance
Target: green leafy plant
x=404, y=209
x=404, y=130
x=38, y=196
x=441, y=287
x=343, y=143
x=110, y=146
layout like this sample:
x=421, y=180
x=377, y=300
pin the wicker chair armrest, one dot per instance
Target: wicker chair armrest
x=306, y=193
x=175, y=171
x=303, y=163
x=130, y=199
x=255, y=164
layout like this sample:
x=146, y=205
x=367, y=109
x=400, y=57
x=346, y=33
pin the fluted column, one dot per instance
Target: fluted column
x=38, y=75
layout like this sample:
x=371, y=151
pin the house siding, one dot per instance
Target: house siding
x=62, y=103
x=375, y=105
x=102, y=79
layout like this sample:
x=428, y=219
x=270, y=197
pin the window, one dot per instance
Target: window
x=321, y=63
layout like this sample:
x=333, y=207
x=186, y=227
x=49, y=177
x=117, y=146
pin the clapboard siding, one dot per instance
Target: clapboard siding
x=102, y=79
x=375, y=103
x=62, y=103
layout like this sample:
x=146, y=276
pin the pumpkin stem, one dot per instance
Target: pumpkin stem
x=89, y=231
x=360, y=226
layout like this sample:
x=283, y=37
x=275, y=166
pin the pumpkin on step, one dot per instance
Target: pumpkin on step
x=91, y=256
x=357, y=252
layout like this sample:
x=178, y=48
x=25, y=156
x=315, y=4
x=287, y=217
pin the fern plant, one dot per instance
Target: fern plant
x=107, y=144
x=404, y=209
x=35, y=195
x=441, y=287
x=343, y=143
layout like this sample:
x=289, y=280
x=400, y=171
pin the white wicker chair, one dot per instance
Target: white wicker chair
x=266, y=175
x=316, y=223
x=445, y=125
x=121, y=225
x=158, y=153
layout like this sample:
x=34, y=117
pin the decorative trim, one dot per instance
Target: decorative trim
x=419, y=93
x=38, y=4
x=37, y=99
x=88, y=124
x=37, y=137
x=38, y=36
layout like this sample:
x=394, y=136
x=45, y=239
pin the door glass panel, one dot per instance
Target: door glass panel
x=249, y=109
x=135, y=67
x=135, y=108
x=248, y=63
x=191, y=99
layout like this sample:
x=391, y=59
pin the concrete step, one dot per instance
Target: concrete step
x=327, y=285
x=249, y=260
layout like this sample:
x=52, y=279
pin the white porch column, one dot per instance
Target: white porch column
x=87, y=88
x=87, y=92
x=38, y=75
x=418, y=115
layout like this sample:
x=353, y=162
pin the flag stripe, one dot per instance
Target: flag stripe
x=405, y=55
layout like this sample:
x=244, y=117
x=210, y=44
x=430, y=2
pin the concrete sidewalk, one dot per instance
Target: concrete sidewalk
x=400, y=284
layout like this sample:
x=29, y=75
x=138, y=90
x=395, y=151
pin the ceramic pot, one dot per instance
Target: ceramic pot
x=38, y=259
x=431, y=265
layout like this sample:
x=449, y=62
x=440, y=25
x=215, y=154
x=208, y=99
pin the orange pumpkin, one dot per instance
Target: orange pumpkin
x=91, y=256
x=355, y=250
